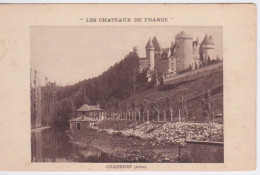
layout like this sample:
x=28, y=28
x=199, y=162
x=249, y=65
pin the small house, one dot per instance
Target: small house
x=86, y=116
x=80, y=123
x=93, y=112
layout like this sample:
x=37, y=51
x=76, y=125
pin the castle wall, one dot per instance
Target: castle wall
x=208, y=52
x=196, y=55
x=172, y=63
x=157, y=58
x=192, y=75
x=164, y=65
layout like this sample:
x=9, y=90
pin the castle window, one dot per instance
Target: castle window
x=78, y=126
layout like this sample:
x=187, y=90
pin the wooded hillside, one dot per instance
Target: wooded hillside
x=108, y=90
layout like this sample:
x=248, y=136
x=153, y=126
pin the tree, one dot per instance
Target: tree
x=183, y=108
x=49, y=102
x=142, y=109
x=207, y=104
x=168, y=101
x=133, y=106
x=208, y=60
x=115, y=84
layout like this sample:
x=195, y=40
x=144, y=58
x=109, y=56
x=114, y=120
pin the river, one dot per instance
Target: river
x=53, y=145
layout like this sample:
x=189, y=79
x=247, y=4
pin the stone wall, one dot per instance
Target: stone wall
x=83, y=126
x=192, y=75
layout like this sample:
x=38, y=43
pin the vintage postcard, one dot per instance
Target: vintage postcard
x=128, y=87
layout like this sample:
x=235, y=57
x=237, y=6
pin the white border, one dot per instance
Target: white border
x=257, y=3
x=130, y=1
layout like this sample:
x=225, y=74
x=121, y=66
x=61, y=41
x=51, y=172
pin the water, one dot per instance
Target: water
x=53, y=145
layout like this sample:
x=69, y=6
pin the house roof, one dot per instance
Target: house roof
x=149, y=43
x=156, y=44
x=79, y=119
x=86, y=107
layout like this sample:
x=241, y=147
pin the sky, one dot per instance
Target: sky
x=68, y=55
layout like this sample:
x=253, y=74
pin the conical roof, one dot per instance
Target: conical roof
x=156, y=44
x=206, y=40
x=149, y=44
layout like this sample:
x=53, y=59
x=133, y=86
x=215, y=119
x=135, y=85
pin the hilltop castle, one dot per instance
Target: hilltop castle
x=184, y=53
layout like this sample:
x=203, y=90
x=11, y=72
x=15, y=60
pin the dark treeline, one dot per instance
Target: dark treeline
x=112, y=86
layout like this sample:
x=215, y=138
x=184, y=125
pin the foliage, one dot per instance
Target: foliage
x=108, y=89
x=207, y=104
x=183, y=108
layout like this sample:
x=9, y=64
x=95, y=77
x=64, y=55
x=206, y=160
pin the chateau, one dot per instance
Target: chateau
x=184, y=53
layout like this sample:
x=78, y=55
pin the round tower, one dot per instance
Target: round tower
x=150, y=54
x=206, y=48
x=184, y=50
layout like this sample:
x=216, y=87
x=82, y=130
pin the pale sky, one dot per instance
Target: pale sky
x=68, y=55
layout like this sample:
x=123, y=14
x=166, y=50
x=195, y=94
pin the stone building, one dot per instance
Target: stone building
x=184, y=53
x=86, y=115
x=81, y=124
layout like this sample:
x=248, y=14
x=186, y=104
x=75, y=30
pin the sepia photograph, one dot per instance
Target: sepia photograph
x=150, y=94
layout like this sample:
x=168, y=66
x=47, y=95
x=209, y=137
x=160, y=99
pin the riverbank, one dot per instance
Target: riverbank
x=127, y=149
x=150, y=142
x=40, y=128
x=177, y=132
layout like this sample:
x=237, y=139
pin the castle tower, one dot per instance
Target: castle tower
x=157, y=53
x=206, y=48
x=150, y=54
x=135, y=49
x=184, y=50
x=196, y=46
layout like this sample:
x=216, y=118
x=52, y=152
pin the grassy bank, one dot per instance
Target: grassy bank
x=192, y=91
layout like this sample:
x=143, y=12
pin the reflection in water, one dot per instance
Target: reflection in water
x=52, y=145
